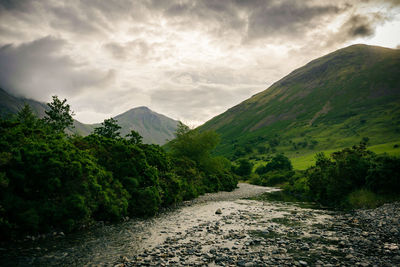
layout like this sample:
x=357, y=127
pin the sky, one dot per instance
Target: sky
x=189, y=60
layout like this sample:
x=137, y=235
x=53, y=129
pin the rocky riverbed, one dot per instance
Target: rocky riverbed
x=228, y=229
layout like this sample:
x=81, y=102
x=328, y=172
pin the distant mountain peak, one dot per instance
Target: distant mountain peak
x=153, y=127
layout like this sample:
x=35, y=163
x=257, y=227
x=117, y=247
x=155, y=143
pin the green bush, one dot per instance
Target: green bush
x=244, y=169
x=352, y=176
x=278, y=162
x=384, y=175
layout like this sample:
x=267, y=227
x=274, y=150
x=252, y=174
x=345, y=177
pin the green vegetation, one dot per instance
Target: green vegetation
x=305, y=161
x=350, y=178
x=331, y=103
x=277, y=171
x=52, y=181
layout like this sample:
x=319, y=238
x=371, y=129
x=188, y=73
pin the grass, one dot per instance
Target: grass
x=305, y=161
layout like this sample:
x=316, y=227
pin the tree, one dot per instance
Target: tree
x=59, y=115
x=26, y=116
x=193, y=144
x=134, y=137
x=108, y=129
x=181, y=129
x=245, y=167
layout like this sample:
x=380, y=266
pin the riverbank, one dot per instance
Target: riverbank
x=254, y=233
x=245, y=233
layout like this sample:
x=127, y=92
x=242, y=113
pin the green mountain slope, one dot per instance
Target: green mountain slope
x=331, y=102
x=153, y=127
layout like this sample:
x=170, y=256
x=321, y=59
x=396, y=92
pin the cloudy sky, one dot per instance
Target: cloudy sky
x=189, y=60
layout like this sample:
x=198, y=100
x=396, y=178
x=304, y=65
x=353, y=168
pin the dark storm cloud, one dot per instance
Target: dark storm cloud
x=359, y=26
x=37, y=69
x=356, y=26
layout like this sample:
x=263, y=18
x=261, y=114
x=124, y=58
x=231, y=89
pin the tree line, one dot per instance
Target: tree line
x=53, y=181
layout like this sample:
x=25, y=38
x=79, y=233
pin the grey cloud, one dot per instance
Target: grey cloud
x=138, y=49
x=215, y=17
x=286, y=18
x=70, y=18
x=37, y=70
x=358, y=26
x=16, y=5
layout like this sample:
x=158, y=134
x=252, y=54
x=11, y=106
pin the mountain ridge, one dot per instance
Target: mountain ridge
x=153, y=127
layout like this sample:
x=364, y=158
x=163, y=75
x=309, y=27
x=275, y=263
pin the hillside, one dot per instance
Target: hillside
x=153, y=127
x=331, y=102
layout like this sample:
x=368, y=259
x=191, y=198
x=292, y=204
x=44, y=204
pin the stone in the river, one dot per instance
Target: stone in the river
x=218, y=211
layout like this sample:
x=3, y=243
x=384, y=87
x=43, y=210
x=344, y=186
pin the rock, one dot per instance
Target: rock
x=124, y=259
x=303, y=263
x=391, y=246
x=218, y=211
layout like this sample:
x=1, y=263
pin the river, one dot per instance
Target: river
x=245, y=233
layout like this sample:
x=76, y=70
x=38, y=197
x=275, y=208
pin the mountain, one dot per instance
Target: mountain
x=331, y=102
x=10, y=104
x=153, y=127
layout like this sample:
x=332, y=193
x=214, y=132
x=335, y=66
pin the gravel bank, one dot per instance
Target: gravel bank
x=253, y=233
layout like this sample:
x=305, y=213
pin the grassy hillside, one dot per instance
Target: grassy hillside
x=332, y=102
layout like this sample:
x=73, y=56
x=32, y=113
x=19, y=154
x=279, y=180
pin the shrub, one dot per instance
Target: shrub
x=278, y=162
x=363, y=198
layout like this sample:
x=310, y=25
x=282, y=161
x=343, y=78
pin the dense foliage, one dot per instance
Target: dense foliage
x=332, y=180
x=350, y=178
x=49, y=180
x=277, y=171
